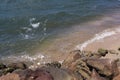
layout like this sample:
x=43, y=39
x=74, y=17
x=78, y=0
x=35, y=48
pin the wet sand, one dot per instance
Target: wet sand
x=111, y=43
x=59, y=47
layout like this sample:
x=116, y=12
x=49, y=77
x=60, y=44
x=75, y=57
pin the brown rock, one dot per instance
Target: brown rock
x=106, y=67
x=102, y=52
x=118, y=49
x=40, y=74
x=62, y=74
x=11, y=76
x=117, y=77
x=54, y=64
x=25, y=75
x=113, y=52
x=2, y=66
x=82, y=69
x=17, y=65
x=96, y=76
x=72, y=57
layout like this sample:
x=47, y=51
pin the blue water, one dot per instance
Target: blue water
x=24, y=24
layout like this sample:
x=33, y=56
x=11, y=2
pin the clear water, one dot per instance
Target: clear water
x=25, y=24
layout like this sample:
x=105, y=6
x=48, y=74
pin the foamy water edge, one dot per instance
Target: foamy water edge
x=99, y=36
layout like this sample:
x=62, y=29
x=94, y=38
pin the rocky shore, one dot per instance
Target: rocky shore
x=79, y=65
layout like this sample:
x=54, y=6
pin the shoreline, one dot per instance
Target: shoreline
x=79, y=65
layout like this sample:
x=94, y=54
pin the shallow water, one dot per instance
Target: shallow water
x=45, y=30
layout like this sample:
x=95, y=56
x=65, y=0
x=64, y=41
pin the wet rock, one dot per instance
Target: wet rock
x=102, y=52
x=11, y=76
x=72, y=57
x=2, y=66
x=54, y=64
x=17, y=65
x=96, y=76
x=106, y=67
x=117, y=77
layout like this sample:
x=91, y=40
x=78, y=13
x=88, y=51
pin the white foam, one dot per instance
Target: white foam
x=25, y=57
x=32, y=19
x=97, y=37
x=35, y=25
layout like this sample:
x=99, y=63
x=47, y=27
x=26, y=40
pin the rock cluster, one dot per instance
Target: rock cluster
x=78, y=65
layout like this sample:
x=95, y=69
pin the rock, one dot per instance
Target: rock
x=106, y=67
x=62, y=74
x=89, y=54
x=79, y=66
x=113, y=52
x=2, y=66
x=18, y=71
x=117, y=77
x=25, y=74
x=96, y=76
x=11, y=76
x=40, y=74
x=72, y=57
x=118, y=49
x=54, y=64
x=82, y=69
x=102, y=52
x=17, y=65
x=8, y=70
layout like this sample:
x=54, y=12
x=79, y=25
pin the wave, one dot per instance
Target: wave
x=99, y=36
x=32, y=60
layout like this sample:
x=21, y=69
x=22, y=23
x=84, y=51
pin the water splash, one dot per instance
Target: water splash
x=34, y=29
x=35, y=60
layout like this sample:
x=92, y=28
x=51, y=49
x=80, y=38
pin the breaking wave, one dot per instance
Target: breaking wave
x=99, y=36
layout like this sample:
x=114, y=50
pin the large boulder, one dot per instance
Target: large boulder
x=72, y=57
x=96, y=76
x=38, y=74
x=117, y=77
x=62, y=74
x=106, y=67
x=11, y=76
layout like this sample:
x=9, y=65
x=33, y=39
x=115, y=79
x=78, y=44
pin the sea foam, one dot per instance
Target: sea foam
x=99, y=36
